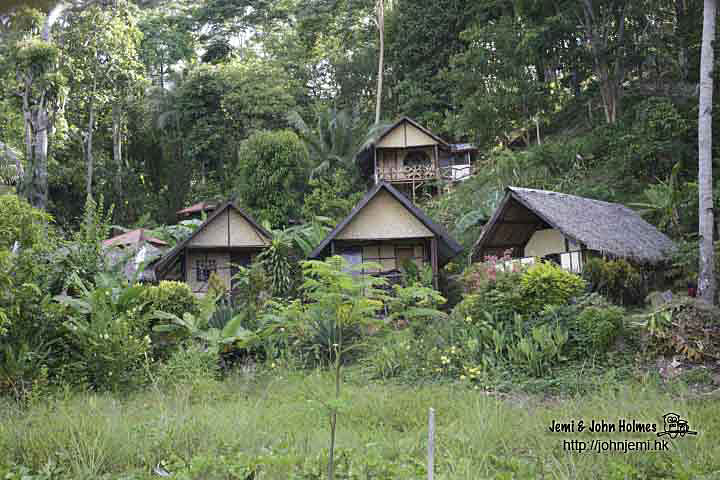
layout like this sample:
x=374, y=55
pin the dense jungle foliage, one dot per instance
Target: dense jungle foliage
x=116, y=114
x=156, y=105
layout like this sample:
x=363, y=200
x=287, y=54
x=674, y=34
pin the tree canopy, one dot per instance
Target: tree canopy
x=157, y=105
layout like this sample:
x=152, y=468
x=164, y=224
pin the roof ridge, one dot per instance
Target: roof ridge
x=588, y=199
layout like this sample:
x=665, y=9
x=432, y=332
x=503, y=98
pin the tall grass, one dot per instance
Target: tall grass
x=477, y=435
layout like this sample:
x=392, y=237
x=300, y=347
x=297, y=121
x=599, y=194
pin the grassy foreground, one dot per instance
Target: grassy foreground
x=272, y=426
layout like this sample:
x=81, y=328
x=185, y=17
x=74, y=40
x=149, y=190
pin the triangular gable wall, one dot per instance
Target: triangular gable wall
x=231, y=229
x=405, y=135
x=384, y=217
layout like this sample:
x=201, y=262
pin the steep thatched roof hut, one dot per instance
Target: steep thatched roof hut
x=538, y=223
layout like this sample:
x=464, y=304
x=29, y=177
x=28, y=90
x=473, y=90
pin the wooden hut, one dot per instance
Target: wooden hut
x=228, y=237
x=566, y=228
x=408, y=155
x=386, y=228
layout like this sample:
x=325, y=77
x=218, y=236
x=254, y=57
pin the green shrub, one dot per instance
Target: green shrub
x=471, y=306
x=107, y=333
x=170, y=297
x=618, y=280
x=474, y=342
x=251, y=290
x=391, y=355
x=503, y=296
x=547, y=284
x=600, y=327
x=331, y=197
x=538, y=349
x=699, y=375
x=84, y=252
x=415, y=305
x=21, y=223
x=592, y=322
x=30, y=343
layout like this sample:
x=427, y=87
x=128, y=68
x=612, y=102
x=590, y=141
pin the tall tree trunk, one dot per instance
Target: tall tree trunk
x=35, y=182
x=34, y=185
x=381, y=57
x=706, y=277
x=88, y=151
x=117, y=149
x=610, y=71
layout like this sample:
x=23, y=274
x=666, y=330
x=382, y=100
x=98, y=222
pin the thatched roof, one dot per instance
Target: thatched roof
x=447, y=247
x=609, y=228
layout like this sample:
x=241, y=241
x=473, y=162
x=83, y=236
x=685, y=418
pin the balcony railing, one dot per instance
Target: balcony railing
x=418, y=173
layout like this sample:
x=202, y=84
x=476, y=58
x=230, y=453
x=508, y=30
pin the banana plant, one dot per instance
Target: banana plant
x=199, y=326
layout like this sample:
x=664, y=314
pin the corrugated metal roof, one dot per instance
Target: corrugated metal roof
x=133, y=237
x=198, y=207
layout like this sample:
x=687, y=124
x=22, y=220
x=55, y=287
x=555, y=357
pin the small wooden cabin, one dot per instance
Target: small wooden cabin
x=387, y=229
x=228, y=237
x=409, y=155
x=566, y=229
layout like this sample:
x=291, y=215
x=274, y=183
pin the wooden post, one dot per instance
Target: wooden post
x=434, y=260
x=431, y=445
x=375, y=164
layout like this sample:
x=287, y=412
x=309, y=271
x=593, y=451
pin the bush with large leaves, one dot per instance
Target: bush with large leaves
x=107, y=333
x=28, y=324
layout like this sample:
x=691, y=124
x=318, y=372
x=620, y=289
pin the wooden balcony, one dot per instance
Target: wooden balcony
x=423, y=173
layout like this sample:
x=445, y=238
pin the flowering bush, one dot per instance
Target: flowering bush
x=478, y=275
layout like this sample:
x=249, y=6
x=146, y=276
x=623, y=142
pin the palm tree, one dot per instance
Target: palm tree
x=706, y=277
x=335, y=140
x=380, y=11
